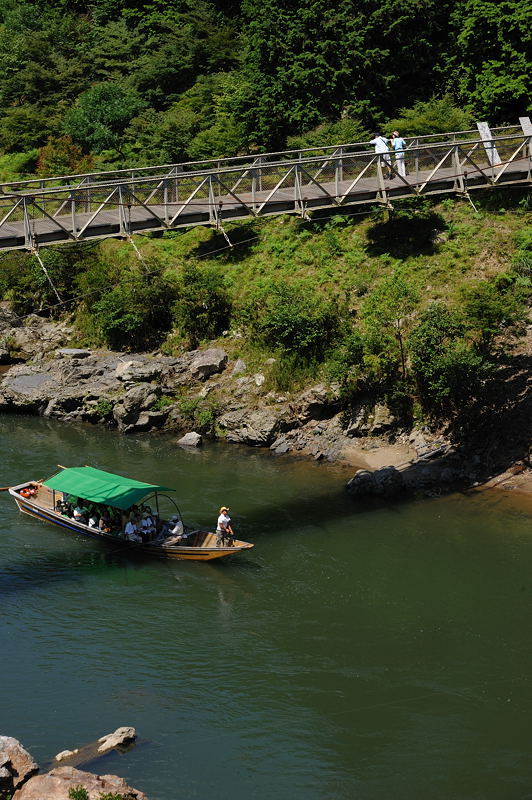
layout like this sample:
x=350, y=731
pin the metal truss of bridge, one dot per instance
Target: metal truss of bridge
x=50, y=211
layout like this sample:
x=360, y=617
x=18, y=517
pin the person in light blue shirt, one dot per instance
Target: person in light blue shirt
x=399, y=146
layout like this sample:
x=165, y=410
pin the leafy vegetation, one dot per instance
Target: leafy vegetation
x=347, y=298
x=137, y=82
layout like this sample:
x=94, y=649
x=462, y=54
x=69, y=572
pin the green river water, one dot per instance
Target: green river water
x=358, y=651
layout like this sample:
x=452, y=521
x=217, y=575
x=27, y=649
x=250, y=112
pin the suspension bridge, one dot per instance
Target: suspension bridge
x=49, y=211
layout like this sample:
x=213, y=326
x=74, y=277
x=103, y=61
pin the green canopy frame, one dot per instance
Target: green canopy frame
x=102, y=487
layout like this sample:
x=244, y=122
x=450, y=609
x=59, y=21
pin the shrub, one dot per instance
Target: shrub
x=78, y=793
x=136, y=314
x=438, y=115
x=490, y=306
x=60, y=156
x=296, y=319
x=202, y=308
x=448, y=371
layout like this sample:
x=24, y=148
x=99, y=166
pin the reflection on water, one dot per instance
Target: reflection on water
x=359, y=650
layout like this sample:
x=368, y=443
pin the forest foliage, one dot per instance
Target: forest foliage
x=132, y=82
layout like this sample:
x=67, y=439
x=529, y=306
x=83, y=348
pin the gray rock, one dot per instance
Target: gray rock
x=191, y=439
x=357, y=423
x=140, y=398
x=207, y=363
x=362, y=483
x=259, y=379
x=239, y=367
x=138, y=371
x=383, y=420
x=257, y=428
x=318, y=402
x=72, y=352
x=385, y=482
x=8, y=318
x=64, y=754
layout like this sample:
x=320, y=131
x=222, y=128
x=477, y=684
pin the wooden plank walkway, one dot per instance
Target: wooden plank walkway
x=26, y=221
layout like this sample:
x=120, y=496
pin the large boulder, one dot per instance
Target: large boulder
x=56, y=784
x=191, y=439
x=8, y=318
x=134, y=404
x=37, y=337
x=318, y=402
x=384, y=482
x=16, y=765
x=258, y=428
x=207, y=363
x=383, y=420
x=137, y=371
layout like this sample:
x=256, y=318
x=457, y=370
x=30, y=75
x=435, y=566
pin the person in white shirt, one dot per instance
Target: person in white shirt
x=399, y=145
x=381, y=147
x=130, y=532
x=223, y=527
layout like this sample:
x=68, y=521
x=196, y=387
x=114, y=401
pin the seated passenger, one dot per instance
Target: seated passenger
x=147, y=527
x=130, y=532
x=105, y=522
x=93, y=520
x=78, y=514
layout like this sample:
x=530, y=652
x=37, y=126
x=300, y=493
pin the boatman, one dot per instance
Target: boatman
x=224, y=530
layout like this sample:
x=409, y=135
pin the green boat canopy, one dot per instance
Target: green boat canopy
x=102, y=487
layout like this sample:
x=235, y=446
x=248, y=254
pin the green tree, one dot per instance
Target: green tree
x=100, y=116
x=489, y=57
x=437, y=115
x=387, y=317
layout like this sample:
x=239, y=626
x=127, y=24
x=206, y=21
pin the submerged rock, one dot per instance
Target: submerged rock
x=122, y=736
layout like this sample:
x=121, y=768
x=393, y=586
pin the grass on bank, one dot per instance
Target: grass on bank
x=343, y=297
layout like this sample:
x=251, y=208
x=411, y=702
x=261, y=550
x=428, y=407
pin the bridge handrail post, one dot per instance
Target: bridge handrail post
x=339, y=172
x=165, y=201
x=28, y=237
x=73, y=213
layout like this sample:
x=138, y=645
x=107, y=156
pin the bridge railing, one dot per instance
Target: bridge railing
x=34, y=185
x=258, y=187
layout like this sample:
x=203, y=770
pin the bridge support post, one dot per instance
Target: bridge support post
x=380, y=179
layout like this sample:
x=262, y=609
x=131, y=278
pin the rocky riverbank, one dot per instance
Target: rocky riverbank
x=205, y=392
x=21, y=777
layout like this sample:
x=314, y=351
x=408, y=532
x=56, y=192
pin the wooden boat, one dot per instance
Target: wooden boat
x=42, y=500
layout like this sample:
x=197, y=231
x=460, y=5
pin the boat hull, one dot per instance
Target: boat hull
x=181, y=552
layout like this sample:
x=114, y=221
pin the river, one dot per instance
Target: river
x=358, y=651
